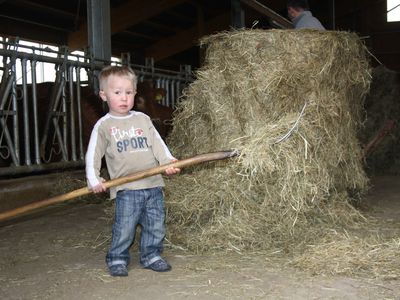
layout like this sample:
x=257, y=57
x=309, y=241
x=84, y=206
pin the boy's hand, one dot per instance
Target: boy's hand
x=171, y=170
x=99, y=188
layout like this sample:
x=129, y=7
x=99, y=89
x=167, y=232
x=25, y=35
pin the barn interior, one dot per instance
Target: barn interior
x=45, y=127
x=169, y=31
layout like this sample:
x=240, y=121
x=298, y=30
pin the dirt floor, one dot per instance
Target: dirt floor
x=59, y=254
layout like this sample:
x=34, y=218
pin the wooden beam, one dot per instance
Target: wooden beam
x=26, y=4
x=179, y=16
x=129, y=34
x=123, y=17
x=283, y=22
x=32, y=32
x=34, y=23
x=168, y=28
x=186, y=38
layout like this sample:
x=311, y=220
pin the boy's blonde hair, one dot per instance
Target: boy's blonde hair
x=123, y=71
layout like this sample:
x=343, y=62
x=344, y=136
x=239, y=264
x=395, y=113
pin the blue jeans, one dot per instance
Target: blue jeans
x=133, y=207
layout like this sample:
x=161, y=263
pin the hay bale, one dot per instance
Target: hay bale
x=382, y=104
x=291, y=102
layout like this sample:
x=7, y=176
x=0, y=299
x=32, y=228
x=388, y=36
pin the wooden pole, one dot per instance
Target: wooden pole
x=261, y=8
x=118, y=181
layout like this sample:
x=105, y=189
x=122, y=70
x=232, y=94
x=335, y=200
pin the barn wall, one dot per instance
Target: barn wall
x=368, y=18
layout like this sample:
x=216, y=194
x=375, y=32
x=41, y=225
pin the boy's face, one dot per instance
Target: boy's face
x=293, y=12
x=119, y=93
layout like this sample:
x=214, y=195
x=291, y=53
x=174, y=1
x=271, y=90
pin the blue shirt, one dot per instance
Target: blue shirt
x=307, y=20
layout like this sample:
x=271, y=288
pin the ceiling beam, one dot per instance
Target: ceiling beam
x=123, y=17
x=179, y=16
x=26, y=4
x=166, y=28
x=32, y=32
x=127, y=33
x=276, y=5
x=40, y=24
x=186, y=39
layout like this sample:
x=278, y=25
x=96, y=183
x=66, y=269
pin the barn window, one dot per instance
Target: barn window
x=393, y=10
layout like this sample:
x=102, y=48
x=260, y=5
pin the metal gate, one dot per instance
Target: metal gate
x=34, y=138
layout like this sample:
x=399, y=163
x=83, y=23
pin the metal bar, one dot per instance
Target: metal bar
x=178, y=92
x=55, y=96
x=99, y=29
x=332, y=13
x=7, y=135
x=20, y=170
x=98, y=64
x=237, y=15
x=78, y=104
x=25, y=114
x=64, y=119
x=60, y=139
x=164, y=86
x=72, y=112
x=7, y=112
x=52, y=60
x=9, y=86
x=99, y=33
x=34, y=48
x=15, y=117
x=4, y=80
x=172, y=89
x=166, y=99
x=393, y=8
x=35, y=113
x=6, y=92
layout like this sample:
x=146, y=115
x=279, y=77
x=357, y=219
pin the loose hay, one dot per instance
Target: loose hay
x=291, y=102
x=372, y=256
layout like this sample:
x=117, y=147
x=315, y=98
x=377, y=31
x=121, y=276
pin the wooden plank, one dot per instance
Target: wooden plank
x=283, y=22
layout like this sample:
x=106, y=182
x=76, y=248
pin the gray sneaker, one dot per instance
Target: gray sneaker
x=118, y=270
x=160, y=266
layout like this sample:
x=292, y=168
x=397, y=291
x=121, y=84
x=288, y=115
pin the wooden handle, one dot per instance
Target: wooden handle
x=118, y=181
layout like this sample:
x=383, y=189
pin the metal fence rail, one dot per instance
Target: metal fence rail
x=38, y=135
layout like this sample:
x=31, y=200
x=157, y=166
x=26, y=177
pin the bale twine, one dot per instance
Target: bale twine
x=291, y=102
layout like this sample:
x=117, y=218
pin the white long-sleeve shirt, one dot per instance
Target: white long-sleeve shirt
x=129, y=144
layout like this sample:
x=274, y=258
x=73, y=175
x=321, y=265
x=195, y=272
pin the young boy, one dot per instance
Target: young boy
x=301, y=16
x=130, y=143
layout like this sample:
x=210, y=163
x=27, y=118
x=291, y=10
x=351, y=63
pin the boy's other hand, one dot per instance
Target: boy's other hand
x=172, y=170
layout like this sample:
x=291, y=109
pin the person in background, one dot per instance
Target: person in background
x=301, y=16
x=130, y=143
